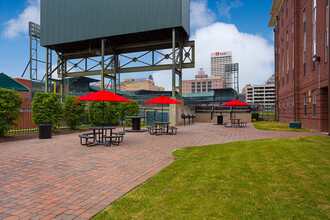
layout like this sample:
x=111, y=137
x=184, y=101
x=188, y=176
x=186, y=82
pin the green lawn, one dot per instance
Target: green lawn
x=277, y=126
x=263, y=179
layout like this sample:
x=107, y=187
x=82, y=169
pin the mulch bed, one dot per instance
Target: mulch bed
x=31, y=135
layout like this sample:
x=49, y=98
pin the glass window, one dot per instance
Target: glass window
x=305, y=105
x=314, y=103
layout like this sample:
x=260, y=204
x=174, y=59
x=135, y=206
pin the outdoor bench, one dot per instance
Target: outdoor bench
x=115, y=138
x=172, y=130
x=86, y=137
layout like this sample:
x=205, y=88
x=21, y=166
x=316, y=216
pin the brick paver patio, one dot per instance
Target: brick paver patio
x=57, y=178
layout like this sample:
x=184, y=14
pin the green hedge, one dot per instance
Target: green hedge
x=106, y=112
x=10, y=102
x=74, y=112
x=129, y=109
x=47, y=109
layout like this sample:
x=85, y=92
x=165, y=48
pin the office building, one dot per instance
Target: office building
x=218, y=63
x=129, y=85
x=261, y=94
x=201, y=83
x=301, y=37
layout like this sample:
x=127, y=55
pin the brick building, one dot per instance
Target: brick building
x=130, y=85
x=202, y=83
x=301, y=36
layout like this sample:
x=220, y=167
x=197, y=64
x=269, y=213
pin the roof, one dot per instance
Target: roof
x=195, y=95
x=77, y=25
x=276, y=6
x=8, y=83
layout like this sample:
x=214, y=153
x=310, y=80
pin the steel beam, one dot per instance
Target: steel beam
x=46, y=79
x=173, y=62
x=102, y=64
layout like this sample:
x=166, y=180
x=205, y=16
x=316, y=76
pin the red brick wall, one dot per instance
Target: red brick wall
x=314, y=79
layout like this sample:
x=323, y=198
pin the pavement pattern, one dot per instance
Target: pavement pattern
x=60, y=179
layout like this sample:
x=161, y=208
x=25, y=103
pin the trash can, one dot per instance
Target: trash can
x=294, y=124
x=45, y=131
x=219, y=119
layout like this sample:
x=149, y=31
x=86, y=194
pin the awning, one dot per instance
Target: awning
x=9, y=83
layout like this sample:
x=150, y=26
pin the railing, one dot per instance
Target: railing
x=25, y=124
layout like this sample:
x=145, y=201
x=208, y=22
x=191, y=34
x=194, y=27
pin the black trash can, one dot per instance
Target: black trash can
x=219, y=119
x=45, y=131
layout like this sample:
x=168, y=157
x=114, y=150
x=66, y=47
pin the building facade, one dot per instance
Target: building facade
x=218, y=63
x=261, y=94
x=301, y=36
x=129, y=85
x=201, y=83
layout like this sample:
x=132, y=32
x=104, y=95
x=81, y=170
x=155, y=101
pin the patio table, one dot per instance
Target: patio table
x=163, y=125
x=234, y=122
x=100, y=133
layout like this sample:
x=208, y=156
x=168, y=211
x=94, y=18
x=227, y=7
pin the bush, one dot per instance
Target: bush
x=47, y=109
x=129, y=109
x=260, y=119
x=111, y=113
x=10, y=102
x=74, y=112
x=255, y=115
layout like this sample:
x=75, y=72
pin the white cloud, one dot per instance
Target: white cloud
x=19, y=25
x=224, y=7
x=200, y=15
x=253, y=53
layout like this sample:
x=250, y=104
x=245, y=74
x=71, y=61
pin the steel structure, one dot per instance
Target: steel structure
x=136, y=39
x=232, y=76
x=33, y=64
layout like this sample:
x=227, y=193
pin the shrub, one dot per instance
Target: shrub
x=74, y=112
x=47, y=109
x=255, y=115
x=129, y=109
x=260, y=119
x=111, y=113
x=10, y=102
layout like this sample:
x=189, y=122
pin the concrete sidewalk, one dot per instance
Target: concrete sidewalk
x=58, y=178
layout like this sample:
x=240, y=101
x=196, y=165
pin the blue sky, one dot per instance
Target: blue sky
x=246, y=19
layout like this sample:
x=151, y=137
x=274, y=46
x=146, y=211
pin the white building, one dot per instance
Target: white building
x=218, y=62
x=261, y=94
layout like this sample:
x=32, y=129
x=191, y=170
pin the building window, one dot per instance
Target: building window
x=288, y=106
x=304, y=41
x=314, y=30
x=314, y=103
x=294, y=109
x=305, y=105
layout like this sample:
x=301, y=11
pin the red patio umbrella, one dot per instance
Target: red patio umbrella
x=162, y=100
x=103, y=96
x=234, y=103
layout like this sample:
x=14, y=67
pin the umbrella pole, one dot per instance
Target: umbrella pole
x=103, y=114
x=162, y=112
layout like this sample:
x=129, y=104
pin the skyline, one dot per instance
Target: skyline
x=215, y=26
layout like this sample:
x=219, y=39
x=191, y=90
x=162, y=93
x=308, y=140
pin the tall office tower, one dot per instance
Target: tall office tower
x=218, y=62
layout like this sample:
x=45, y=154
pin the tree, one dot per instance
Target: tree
x=105, y=112
x=10, y=102
x=129, y=109
x=47, y=109
x=74, y=111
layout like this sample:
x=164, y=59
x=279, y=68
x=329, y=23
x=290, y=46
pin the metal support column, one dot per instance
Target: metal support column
x=180, y=67
x=47, y=69
x=63, y=74
x=115, y=69
x=173, y=62
x=102, y=65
